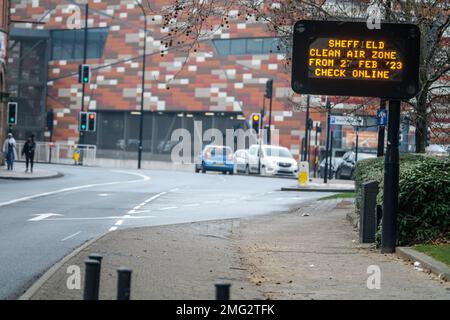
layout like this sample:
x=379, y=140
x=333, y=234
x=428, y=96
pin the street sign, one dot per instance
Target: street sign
x=348, y=59
x=346, y=121
x=382, y=117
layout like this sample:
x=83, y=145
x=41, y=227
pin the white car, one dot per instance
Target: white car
x=241, y=161
x=273, y=160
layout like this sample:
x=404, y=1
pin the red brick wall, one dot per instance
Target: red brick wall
x=204, y=78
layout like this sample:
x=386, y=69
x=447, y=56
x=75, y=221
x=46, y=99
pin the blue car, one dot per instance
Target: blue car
x=215, y=158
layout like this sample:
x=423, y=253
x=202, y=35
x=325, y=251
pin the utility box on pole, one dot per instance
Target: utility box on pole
x=368, y=213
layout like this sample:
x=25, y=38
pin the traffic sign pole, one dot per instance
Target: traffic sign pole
x=328, y=140
x=391, y=180
x=381, y=131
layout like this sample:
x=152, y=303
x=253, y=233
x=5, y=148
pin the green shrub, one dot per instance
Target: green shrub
x=424, y=196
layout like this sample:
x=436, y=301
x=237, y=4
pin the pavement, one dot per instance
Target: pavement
x=19, y=173
x=306, y=252
x=318, y=185
x=42, y=221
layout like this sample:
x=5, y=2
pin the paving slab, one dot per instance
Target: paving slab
x=19, y=173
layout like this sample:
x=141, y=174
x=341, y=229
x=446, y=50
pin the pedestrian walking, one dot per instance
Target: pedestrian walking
x=9, y=149
x=28, y=151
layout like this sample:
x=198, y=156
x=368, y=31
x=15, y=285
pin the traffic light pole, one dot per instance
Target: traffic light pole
x=269, y=133
x=141, y=119
x=81, y=140
x=315, y=151
x=391, y=180
x=357, y=144
x=305, y=145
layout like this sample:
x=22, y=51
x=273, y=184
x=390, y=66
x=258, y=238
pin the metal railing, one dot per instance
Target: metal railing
x=61, y=153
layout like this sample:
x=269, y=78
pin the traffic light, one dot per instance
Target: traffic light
x=84, y=73
x=12, y=113
x=50, y=118
x=255, y=121
x=83, y=121
x=92, y=121
x=269, y=89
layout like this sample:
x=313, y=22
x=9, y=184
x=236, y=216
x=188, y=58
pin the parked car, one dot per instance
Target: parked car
x=241, y=161
x=437, y=150
x=346, y=168
x=333, y=164
x=216, y=158
x=273, y=160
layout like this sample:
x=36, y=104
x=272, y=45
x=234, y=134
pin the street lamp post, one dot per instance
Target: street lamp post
x=141, y=120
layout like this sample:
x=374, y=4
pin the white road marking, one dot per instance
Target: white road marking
x=174, y=190
x=50, y=193
x=155, y=197
x=103, y=195
x=42, y=216
x=102, y=218
x=71, y=236
x=192, y=205
x=167, y=208
x=211, y=202
x=136, y=210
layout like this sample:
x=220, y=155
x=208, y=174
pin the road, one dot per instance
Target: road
x=44, y=220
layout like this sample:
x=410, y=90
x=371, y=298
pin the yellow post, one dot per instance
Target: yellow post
x=303, y=173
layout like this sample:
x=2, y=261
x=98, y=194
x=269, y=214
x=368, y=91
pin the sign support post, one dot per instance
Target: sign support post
x=348, y=59
x=328, y=140
x=305, y=145
x=391, y=180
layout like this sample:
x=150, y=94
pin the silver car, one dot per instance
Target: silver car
x=241, y=161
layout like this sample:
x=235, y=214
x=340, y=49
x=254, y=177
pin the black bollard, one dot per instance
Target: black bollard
x=223, y=291
x=91, y=280
x=99, y=258
x=123, y=284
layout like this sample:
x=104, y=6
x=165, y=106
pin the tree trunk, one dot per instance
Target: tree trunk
x=421, y=123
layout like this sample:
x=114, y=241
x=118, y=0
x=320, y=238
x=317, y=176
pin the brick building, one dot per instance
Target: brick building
x=4, y=13
x=220, y=84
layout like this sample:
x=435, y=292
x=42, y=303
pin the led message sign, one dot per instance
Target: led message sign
x=346, y=58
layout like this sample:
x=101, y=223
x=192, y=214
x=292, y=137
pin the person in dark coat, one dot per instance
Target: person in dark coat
x=28, y=151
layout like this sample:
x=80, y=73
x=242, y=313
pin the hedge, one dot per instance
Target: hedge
x=424, y=196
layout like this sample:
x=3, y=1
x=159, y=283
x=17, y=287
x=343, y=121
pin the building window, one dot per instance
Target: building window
x=247, y=46
x=69, y=44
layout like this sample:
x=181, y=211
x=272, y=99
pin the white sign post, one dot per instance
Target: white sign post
x=346, y=121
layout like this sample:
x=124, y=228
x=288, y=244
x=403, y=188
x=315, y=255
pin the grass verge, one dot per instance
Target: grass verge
x=347, y=195
x=440, y=252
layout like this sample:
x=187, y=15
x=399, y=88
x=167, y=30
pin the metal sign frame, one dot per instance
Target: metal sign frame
x=307, y=31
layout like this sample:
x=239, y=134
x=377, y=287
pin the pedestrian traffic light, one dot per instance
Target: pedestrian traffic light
x=255, y=121
x=83, y=121
x=92, y=121
x=84, y=73
x=12, y=113
x=269, y=89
